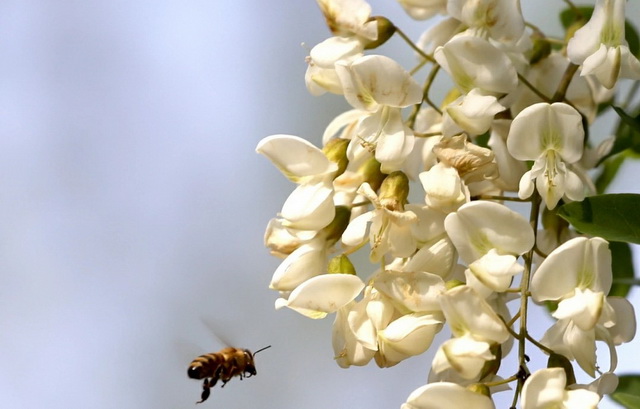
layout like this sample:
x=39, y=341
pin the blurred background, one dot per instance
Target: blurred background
x=132, y=203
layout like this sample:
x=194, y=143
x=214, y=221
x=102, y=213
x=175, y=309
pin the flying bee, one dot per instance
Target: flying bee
x=222, y=365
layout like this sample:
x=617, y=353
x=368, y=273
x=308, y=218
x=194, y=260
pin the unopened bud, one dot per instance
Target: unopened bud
x=480, y=388
x=337, y=226
x=394, y=191
x=491, y=367
x=561, y=361
x=541, y=48
x=385, y=30
x=336, y=151
x=370, y=171
x=341, y=265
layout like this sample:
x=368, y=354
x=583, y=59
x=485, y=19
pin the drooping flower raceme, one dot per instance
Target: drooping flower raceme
x=552, y=136
x=408, y=176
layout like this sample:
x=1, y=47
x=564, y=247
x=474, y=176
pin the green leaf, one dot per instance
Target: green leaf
x=609, y=172
x=627, y=134
x=570, y=15
x=634, y=123
x=613, y=217
x=631, y=35
x=622, y=266
x=628, y=392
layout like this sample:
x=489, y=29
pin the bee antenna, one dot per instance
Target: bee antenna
x=262, y=349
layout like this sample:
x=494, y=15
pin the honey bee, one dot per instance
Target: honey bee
x=222, y=365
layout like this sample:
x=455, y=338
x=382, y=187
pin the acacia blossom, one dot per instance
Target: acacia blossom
x=425, y=183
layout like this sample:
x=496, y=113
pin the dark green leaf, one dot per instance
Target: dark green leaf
x=613, y=217
x=627, y=134
x=634, y=123
x=632, y=38
x=628, y=392
x=622, y=266
x=572, y=15
x=609, y=172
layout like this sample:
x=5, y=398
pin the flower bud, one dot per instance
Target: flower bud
x=337, y=226
x=385, y=30
x=394, y=191
x=541, y=48
x=341, y=265
x=370, y=171
x=336, y=151
x=480, y=388
x=561, y=361
x=491, y=367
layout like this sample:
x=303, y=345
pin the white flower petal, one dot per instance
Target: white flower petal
x=479, y=226
x=324, y=294
x=295, y=157
x=446, y=395
x=309, y=207
x=585, y=263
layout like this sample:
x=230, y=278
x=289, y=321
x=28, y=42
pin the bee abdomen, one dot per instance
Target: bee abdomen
x=204, y=366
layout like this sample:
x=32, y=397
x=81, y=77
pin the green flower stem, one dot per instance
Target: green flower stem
x=564, y=83
x=533, y=89
x=539, y=345
x=524, y=298
x=425, y=97
x=413, y=45
x=501, y=382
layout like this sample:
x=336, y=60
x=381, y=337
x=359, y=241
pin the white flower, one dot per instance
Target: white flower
x=510, y=170
x=475, y=327
x=380, y=86
x=411, y=291
x=445, y=190
x=480, y=226
x=545, y=389
x=310, y=206
x=600, y=45
x=501, y=19
x=423, y=9
x=446, y=395
x=322, y=295
x=473, y=62
x=585, y=265
x=552, y=136
x=308, y=260
x=390, y=229
x=407, y=336
x=321, y=73
x=349, y=18
x=493, y=272
x=471, y=113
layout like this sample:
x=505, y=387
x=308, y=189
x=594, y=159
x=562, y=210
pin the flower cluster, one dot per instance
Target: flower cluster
x=514, y=128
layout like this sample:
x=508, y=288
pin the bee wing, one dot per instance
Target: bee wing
x=216, y=332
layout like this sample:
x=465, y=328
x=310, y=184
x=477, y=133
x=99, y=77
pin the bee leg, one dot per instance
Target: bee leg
x=206, y=391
